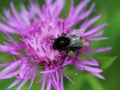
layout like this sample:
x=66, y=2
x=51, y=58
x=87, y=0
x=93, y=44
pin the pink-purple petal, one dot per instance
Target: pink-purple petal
x=21, y=85
x=16, y=15
x=98, y=75
x=12, y=74
x=10, y=68
x=80, y=7
x=86, y=62
x=95, y=29
x=90, y=22
x=5, y=64
x=93, y=69
x=97, y=39
x=14, y=83
x=100, y=50
x=31, y=83
x=87, y=13
x=8, y=29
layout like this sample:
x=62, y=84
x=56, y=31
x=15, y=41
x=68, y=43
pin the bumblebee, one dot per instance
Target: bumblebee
x=69, y=43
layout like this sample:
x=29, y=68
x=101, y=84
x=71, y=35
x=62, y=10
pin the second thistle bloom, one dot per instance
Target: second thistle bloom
x=37, y=29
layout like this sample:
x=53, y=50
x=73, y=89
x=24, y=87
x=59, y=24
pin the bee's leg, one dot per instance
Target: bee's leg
x=63, y=34
x=77, y=53
x=67, y=51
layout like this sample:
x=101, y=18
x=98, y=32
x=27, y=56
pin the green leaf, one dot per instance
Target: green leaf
x=105, y=62
x=71, y=53
x=94, y=82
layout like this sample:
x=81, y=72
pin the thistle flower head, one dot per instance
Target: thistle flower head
x=37, y=29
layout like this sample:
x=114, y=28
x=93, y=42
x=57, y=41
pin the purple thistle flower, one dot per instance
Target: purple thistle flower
x=37, y=27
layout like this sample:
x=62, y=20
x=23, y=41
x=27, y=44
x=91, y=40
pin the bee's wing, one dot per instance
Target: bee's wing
x=76, y=42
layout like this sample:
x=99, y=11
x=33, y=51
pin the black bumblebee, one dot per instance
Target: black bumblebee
x=67, y=43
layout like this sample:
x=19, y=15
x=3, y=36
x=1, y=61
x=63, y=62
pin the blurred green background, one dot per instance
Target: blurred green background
x=111, y=13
